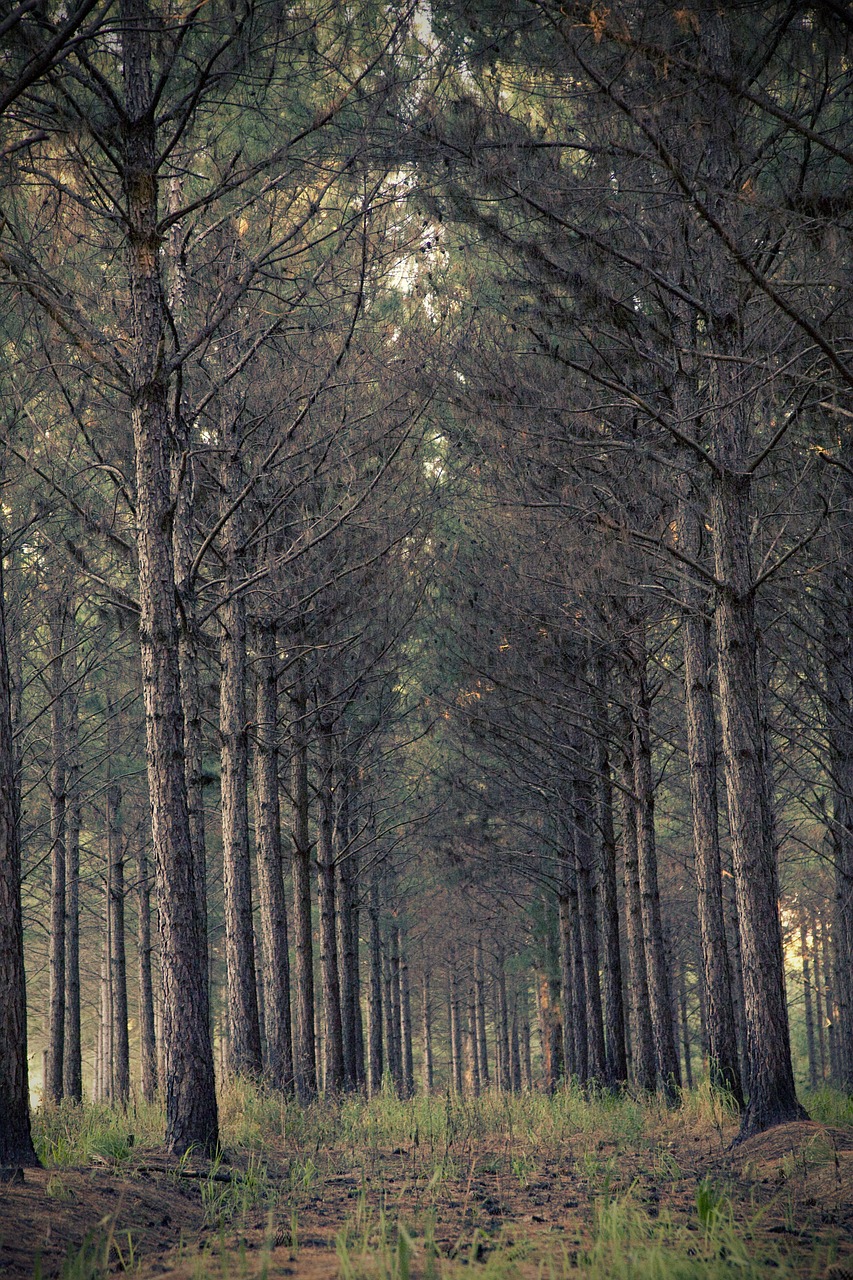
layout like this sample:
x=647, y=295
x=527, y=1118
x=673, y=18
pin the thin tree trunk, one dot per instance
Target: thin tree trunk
x=479, y=988
x=807, y=1003
x=455, y=1025
x=56, y=996
x=685, y=1025
x=374, y=995
x=642, y=1039
x=244, y=1025
x=333, y=1061
x=147, y=1041
x=505, y=1068
x=829, y=999
x=819, y=1000
x=273, y=909
x=388, y=1015
x=72, y=1066
x=396, y=1058
x=549, y=1034
x=426, y=1024
x=567, y=995
x=514, y=1048
x=347, y=928
x=191, y=1117
x=120, y=1046
x=406, y=1024
x=16, y=1143
x=526, y=1059
x=608, y=899
x=306, y=1061
x=666, y=1054
x=588, y=920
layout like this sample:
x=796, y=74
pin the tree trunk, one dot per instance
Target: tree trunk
x=685, y=1025
x=549, y=1034
x=666, y=1054
x=818, y=991
x=16, y=1143
x=72, y=1065
x=807, y=1003
x=505, y=1068
x=479, y=988
x=406, y=1024
x=567, y=995
x=614, y=1011
x=273, y=909
x=120, y=1057
x=702, y=762
x=770, y=1078
x=455, y=1025
x=306, y=1061
x=191, y=1118
x=332, y=1033
x=347, y=929
x=53, y=1082
x=588, y=919
x=426, y=1024
x=374, y=995
x=642, y=1040
x=147, y=1041
x=245, y=1057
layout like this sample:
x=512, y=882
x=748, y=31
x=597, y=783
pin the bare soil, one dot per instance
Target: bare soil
x=792, y=1188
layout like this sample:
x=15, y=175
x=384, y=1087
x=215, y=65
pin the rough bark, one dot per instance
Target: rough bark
x=584, y=850
x=426, y=1026
x=374, y=995
x=608, y=900
x=72, y=1064
x=666, y=1053
x=191, y=1117
x=408, y=1075
x=480, y=994
x=807, y=1004
x=119, y=1039
x=147, y=1042
x=332, y=1032
x=53, y=1079
x=272, y=904
x=702, y=765
x=305, y=1056
x=16, y=1144
x=642, y=1040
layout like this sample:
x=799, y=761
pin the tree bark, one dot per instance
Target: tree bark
x=807, y=1003
x=666, y=1054
x=72, y=1065
x=642, y=1040
x=147, y=1041
x=582, y=812
x=53, y=1082
x=119, y=1040
x=374, y=995
x=191, y=1116
x=306, y=1061
x=16, y=1143
x=426, y=1024
x=614, y=1010
x=273, y=909
x=332, y=1031
x=480, y=994
x=408, y=1082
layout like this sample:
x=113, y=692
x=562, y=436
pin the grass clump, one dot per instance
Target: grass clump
x=70, y=1134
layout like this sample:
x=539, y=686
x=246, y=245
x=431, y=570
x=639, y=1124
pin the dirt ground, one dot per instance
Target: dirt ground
x=791, y=1187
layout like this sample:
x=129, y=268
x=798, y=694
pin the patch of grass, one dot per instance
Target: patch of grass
x=829, y=1106
x=71, y=1134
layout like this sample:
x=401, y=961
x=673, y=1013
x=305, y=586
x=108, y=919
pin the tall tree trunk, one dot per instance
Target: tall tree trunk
x=702, y=765
x=147, y=1041
x=666, y=1054
x=347, y=927
x=72, y=1065
x=374, y=994
x=608, y=899
x=120, y=1064
x=770, y=1077
x=391, y=1062
x=583, y=803
x=426, y=1024
x=16, y=1143
x=406, y=1023
x=642, y=1039
x=818, y=990
x=685, y=1025
x=514, y=1047
x=480, y=994
x=505, y=1078
x=306, y=1061
x=56, y=997
x=332, y=1031
x=807, y=1003
x=472, y=1065
x=567, y=995
x=396, y=1057
x=455, y=1024
x=271, y=895
x=244, y=1033
x=191, y=1117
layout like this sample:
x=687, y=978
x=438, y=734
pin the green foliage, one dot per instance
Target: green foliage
x=73, y=1135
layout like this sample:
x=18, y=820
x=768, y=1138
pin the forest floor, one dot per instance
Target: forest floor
x=495, y=1188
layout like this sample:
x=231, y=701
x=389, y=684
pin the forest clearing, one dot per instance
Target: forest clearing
x=498, y=1187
